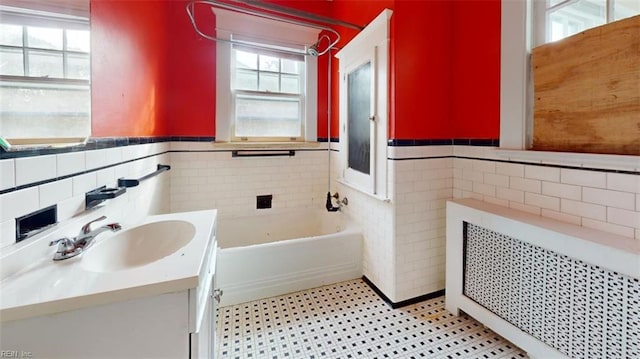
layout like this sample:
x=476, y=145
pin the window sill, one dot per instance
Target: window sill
x=230, y=146
x=347, y=184
x=27, y=144
x=268, y=145
x=586, y=160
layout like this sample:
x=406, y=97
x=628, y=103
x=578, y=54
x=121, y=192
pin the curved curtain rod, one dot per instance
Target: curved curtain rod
x=191, y=13
x=299, y=13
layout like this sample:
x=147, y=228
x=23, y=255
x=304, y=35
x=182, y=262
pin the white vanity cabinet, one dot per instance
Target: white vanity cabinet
x=161, y=310
x=155, y=327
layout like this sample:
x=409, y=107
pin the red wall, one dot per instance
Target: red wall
x=421, y=57
x=154, y=76
x=128, y=63
x=475, y=111
x=358, y=12
x=191, y=107
x=445, y=66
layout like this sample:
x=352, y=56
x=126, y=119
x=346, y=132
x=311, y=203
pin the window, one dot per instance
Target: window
x=44, y=75
x=563, y=18
x=516, y=91
x=268, y=91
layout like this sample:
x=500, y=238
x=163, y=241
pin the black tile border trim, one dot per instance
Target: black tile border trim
x=100, y=143
x=333, y=139
x=606, y=170
x=487, y=142
x=54, y=179
x=403, y=303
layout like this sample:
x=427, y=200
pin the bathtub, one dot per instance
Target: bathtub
x=267, y=255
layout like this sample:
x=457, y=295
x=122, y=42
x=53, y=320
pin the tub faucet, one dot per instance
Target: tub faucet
x=68, y=248
x=329, y=204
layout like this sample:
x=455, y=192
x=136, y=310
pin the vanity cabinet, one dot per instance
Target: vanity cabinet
x=153, y=327
x=171, y=325
x=159, y=305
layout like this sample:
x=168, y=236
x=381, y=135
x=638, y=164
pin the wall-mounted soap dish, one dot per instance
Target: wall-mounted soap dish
x=98, y=195
x=36, y=222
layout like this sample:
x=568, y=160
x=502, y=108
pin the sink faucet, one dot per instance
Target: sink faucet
x=68, y=248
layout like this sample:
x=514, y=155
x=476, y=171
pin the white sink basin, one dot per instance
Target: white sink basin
x=138, y=246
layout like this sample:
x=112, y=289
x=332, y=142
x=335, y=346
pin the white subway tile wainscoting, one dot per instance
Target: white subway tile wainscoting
x=33, y=183
x=212, y=178
x=598, y=198
x=403, y=236
x=406, y=260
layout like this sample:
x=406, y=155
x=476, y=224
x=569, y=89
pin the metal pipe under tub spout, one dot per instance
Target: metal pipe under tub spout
x=329, y=204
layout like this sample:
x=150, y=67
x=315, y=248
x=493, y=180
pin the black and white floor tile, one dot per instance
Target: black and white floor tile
x=349, y=320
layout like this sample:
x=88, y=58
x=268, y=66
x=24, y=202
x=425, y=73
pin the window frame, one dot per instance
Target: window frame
x=542, y=9
x=235, y=93
x=516, y=96
x=253, y=30
x=50, y=17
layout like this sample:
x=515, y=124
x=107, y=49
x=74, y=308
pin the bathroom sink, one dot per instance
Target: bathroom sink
x=138, y=246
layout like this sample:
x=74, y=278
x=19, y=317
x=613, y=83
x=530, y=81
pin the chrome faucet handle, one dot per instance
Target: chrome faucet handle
x=86, y=229
x=64, y=244
x=114, y=226
x=66, y=249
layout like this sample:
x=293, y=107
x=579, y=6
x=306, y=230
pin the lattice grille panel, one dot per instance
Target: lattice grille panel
x=580, y=309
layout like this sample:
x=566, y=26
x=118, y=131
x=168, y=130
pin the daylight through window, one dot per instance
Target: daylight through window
x=564, y=18
x=44, y=75
x=268, y=94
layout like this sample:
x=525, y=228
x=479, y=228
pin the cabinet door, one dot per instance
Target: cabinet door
x=202, y=342
x=211, y=317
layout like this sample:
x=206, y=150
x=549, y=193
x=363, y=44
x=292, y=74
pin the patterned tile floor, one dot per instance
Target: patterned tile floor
x=349, y=320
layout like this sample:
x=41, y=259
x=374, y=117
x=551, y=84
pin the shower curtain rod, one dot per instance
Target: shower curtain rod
x=311, y=50
x=299, y=14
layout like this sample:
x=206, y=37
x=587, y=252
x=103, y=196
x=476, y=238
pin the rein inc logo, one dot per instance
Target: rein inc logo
x=15, y=354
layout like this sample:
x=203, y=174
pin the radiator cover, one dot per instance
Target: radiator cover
x=580, y=309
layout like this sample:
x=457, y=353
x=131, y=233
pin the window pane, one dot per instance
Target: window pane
x=263, y=116
x=291, y=84
x=44, y=38
x=10, y=35
x=359, y=110
x=44, y=111
x=11, y=62
x=45, y=64
x=246, y=60
x=576, y=17
x=78, y=40
x=246, y=80
x=626, y=8
x=269, y=63
x=269, y=82
x=78, y=66
x=291, y=66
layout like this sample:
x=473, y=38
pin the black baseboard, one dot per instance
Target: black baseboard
x=404, y=302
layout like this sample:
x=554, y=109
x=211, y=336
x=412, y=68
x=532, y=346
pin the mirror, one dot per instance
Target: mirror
x=45, y=72
x=358, y=118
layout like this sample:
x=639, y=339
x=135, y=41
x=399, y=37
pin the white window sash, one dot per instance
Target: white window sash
x=253, y=29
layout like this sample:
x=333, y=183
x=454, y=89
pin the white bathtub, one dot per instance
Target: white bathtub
x=266, y=255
